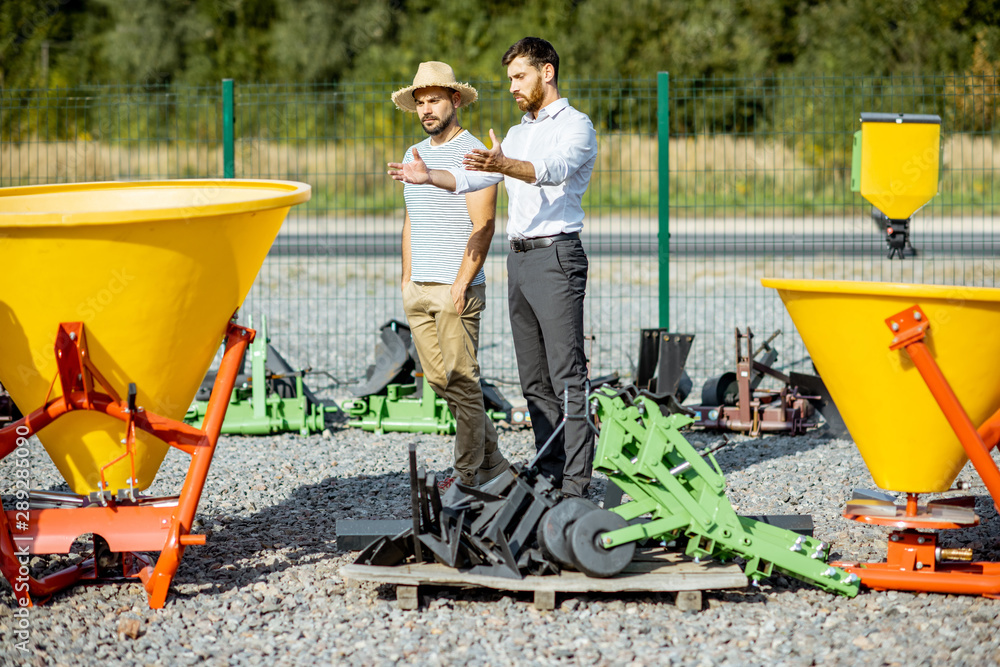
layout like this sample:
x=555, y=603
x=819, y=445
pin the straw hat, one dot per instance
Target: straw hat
x=433, y=73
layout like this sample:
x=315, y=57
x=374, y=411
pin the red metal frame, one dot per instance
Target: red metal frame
x=124, y=527
x=758, y=411
x=913, y=561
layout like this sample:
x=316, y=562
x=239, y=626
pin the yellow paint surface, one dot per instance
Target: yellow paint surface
x=154, y=270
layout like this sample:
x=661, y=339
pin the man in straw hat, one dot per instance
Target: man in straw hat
x=545, y=162
x=445, y=241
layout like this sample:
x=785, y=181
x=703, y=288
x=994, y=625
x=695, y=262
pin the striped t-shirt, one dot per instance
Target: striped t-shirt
x=439, y=220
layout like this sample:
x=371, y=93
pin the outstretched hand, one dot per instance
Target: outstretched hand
x=415, y=172
x=491, y=160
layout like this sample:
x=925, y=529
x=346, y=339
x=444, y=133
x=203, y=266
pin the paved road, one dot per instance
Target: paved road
x=981, y=243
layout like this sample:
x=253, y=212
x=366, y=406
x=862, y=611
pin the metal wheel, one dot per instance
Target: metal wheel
x=589, y=555
x=552, y=529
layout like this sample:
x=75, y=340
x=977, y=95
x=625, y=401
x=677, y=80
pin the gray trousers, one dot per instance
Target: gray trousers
x=546, y=287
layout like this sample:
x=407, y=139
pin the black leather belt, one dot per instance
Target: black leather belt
x=524, y=245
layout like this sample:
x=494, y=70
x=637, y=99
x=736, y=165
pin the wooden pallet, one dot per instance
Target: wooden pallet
x=651, y=571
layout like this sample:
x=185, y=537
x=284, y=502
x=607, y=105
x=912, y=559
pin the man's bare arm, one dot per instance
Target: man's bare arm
x=417, y=173
x=495, y=161
x=482, y=206
x=406, y=250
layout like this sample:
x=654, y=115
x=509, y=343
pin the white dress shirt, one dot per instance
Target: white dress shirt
x=561, y=144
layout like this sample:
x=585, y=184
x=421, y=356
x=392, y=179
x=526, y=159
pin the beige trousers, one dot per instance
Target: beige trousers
x=448, y=343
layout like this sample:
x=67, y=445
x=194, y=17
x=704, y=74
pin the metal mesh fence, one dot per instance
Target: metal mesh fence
x=97, y=133
x=759, y=185
x=333, y=277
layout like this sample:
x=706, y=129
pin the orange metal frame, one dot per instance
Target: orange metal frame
x=913, y=561
x=126, y=528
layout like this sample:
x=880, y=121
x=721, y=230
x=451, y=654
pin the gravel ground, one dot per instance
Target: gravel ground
x=266, y=588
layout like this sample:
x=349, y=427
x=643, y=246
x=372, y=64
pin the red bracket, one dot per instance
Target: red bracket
x=908, y=326
x=912, y=562
x=78, y=378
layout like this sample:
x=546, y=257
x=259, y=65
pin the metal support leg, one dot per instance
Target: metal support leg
x=84, y=388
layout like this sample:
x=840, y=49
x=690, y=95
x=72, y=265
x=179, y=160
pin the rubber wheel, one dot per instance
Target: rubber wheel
x=552, y=529
x=589, y=555
x=720, y=390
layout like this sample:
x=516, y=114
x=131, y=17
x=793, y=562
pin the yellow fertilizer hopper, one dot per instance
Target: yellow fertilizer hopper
x=912, y=369
x=115, y=299
x=895, y=166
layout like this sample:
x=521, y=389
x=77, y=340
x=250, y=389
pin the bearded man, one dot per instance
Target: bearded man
x=545, y=163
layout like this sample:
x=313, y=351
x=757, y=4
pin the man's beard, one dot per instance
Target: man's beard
x=441, y=126
x=532, y=102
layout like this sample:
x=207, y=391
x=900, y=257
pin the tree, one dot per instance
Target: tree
x=884, y=37
x=26, y=31
x=318, y=40
x=689, y=39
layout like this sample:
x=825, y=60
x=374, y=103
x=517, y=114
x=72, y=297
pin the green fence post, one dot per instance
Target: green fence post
x=663, y=142
x=228, y=149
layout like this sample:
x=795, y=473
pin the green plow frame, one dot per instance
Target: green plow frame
x=642, y=451
x=253, y=410
x=403, y=409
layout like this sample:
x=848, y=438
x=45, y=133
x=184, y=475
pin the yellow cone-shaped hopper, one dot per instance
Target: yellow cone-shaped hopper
x=901, y=432
x=900, y=154
x=154, y=270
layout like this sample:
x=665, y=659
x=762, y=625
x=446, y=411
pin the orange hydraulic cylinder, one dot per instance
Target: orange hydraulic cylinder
x=974, y=446
x=990, y=431
x=962, y=579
